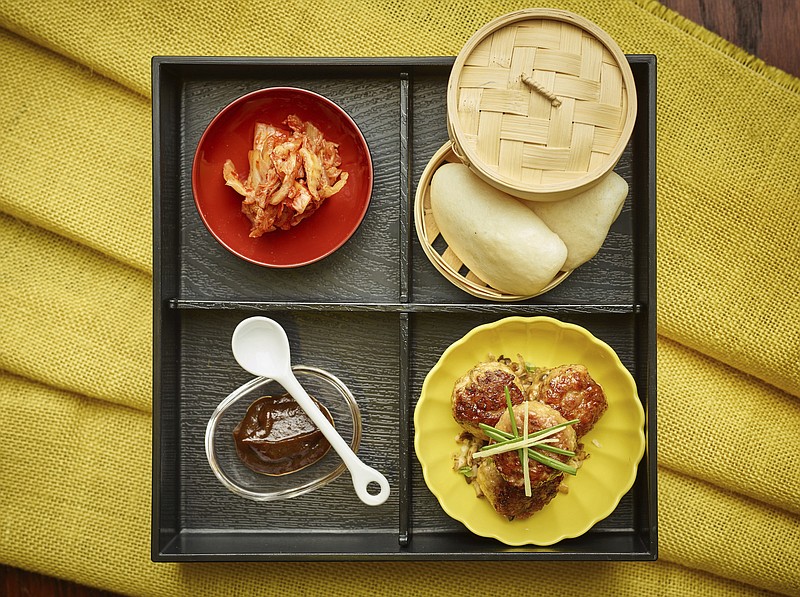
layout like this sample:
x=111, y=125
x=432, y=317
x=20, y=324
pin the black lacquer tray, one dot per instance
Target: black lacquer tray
x=375, y=313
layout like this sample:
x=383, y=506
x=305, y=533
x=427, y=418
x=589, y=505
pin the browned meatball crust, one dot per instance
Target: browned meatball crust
x=540, y=416
x=571, y=391
x=479, y=396
x=510, y=500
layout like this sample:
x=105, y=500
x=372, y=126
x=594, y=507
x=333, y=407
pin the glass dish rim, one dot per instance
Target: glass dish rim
x=258, y=382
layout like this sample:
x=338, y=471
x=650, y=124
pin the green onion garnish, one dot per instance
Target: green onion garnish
x=526, y=474
x=501, y=441
x=553, y=463
x=556, y=450
x=517, y=444
x=508, y=442
x=466, y=471
x=538, y=457
x=511, y=412
x=504, y=437
x=511, y=416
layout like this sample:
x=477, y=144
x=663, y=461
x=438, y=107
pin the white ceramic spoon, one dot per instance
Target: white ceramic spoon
x=261, y=347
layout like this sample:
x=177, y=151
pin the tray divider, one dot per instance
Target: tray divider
x=405, y=187
x=504, y=309
x=404, y=497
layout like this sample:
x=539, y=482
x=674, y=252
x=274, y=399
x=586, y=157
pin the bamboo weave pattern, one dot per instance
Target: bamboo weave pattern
x=521, y=134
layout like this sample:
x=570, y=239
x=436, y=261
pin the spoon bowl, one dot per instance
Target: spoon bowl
x=261, y=347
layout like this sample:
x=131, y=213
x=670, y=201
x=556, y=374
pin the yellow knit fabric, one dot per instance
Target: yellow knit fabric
x=75, y=325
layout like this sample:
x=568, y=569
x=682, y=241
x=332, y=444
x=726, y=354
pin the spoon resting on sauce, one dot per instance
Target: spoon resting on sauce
x=261, y=347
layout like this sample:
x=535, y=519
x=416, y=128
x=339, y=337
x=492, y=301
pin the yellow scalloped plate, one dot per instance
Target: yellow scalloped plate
x=616, y=443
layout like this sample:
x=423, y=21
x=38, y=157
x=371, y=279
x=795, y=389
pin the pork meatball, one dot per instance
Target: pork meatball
x=572, y=392
x=540, y=416
x=479, y=396
x=510, y=500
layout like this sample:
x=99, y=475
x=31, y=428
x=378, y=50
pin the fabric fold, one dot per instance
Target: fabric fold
x=76, y=154
x=74, y=318
x=717, y=531
x=727, y=428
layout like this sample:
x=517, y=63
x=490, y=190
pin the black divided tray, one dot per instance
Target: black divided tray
x=375, y=313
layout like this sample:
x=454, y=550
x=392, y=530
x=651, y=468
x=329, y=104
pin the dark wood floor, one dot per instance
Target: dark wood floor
x=769, y=29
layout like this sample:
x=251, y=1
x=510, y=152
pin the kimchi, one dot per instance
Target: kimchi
x=291, y=174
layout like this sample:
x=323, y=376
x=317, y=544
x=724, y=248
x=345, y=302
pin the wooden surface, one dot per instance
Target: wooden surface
x=769, y=29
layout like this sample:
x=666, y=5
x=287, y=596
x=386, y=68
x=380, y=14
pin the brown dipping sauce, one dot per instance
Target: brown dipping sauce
x=276, y=437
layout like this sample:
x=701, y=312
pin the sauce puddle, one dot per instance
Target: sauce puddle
x=276, y=437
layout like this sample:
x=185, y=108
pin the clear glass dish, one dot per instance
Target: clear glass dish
x=329, y=390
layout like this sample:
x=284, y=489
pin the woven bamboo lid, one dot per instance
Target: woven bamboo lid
x=540, y=103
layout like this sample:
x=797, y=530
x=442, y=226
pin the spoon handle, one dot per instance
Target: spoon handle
x=361, y=473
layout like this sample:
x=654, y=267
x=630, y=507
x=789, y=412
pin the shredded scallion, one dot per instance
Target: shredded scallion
x=511, y=416
x=507, y=442
x=526, y=474
x=518, y=444
x=466, y=471
x=504, y=437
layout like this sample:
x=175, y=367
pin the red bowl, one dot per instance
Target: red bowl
x=230, y=136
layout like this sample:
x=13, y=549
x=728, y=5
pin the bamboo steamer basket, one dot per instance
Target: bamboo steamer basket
x=445, y=260
x=540, y=104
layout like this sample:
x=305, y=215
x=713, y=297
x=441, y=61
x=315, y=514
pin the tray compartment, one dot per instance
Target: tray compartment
x=607, y=279
x=209, y=373
x=366, y=267
x=431, y=333
x=375, y=313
